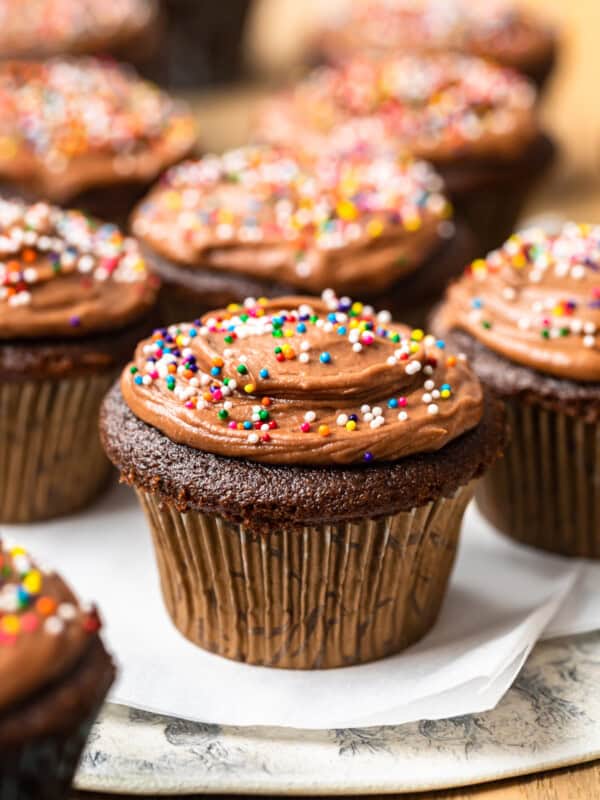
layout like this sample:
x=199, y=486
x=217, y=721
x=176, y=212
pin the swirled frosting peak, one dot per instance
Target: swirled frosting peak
x=310, y=222
x=536, y=301
x=65, y=274
x=437, y=107
x=302, y=381
x=44, y=630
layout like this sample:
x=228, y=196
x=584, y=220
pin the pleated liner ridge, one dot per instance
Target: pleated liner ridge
x=51, y=461
x=325, y=596
x=545, y=492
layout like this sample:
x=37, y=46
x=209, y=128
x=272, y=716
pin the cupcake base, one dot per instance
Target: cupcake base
x=546, y=491
x=320, y=597
x=41, y=741
x=300, y=567
x=52, y=461
x=491, y=196
x=187, y=293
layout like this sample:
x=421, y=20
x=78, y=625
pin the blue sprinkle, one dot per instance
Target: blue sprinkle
x=393, y=403
x=441, y=344
x=342, y=330
x=138, y=379
x=215, y=371
x=325, y=358
x=247, y=425
x=477, y=302
x=264, y=373
x=301, y=328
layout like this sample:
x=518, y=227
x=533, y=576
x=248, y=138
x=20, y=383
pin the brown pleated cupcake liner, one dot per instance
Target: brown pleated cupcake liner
x=51, y=461
x=545, y=492
x=323, y=596
x=43, y=769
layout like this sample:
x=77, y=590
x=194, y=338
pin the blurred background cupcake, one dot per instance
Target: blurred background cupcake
x=87, y=133
x=54, y=676
x=528, y=317
x=498, y=30
x=268, y=221
x=75, y=296
x=304, y=466
x=475, y=122
x=38, y=29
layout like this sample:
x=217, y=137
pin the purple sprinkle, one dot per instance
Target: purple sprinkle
x=74, y=322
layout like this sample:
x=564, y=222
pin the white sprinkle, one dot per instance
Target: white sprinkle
x=357, y=347
x=310, y=416
x=364, y=408
x=377, y=411
x=342, y=419
x=368, y=416
x=391, y=361
x=429, y=385
x=54, y=626
x=433, y=408
x=403, y=416
x=253, y=438
x=67, y=611
x=426, y=398
x=303, y=358
x=589, y=341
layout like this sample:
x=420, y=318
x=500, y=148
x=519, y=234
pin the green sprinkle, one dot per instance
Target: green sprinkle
x=242, y=369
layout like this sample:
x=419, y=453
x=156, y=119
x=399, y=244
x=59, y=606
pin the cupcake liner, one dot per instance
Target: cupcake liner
x=322, y=596
x=43, y=769
x=545, y=492
x=492, y=213
x=51, y=461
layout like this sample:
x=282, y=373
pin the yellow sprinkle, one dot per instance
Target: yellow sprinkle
x=519, y=261
x=351, y=425
x=18, y=551
x=288, y=333
x=417, y=335
x=412, y=223
x=346, y=210
x=10, y=623
x=357, y=307
x=249, y=388
x=375, y=227
x=445, y=393
x=479, y=263
x=33, y=582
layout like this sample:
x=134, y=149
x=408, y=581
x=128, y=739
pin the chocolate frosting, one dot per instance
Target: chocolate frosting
x=64, y=274
x=75, y=123
x=44, y=631
x=308, y=222
x=439, y=107
x=51, y=27
x=535, y=301
x=495, y=29
x=302, y=381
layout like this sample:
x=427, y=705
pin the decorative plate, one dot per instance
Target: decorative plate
x=549, y=718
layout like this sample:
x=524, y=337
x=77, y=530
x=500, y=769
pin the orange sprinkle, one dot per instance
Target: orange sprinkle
x=45, y=606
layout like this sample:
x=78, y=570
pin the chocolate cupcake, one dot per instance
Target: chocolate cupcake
x=475, y=122
x=528, y=319
x=304, y=466
x=38, y=29
x=75, y=295
x=263, y=221
x=86, y=133
x=499, y=31
x=54, y=676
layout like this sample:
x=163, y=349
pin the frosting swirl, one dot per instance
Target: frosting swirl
x=48, y=27
x=437, y=107
x=65, y=274
x=302, y=381
x=496, y=30
x=71, y=124
x=309, y=222
x=535, y=301
x=43, y=628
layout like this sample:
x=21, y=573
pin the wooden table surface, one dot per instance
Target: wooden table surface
x=572, y=112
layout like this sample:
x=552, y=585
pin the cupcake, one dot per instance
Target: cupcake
x=266, y=221
x=528, y=319
x=39, y=29
x=304, y=466
x=475, y=122
x=54, y=676
x=203, y=42
x=498, y=30
x=86, y=133
x=75, y=296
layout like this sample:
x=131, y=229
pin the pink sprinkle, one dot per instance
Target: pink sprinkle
x=402, y=402
x=305, y=427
